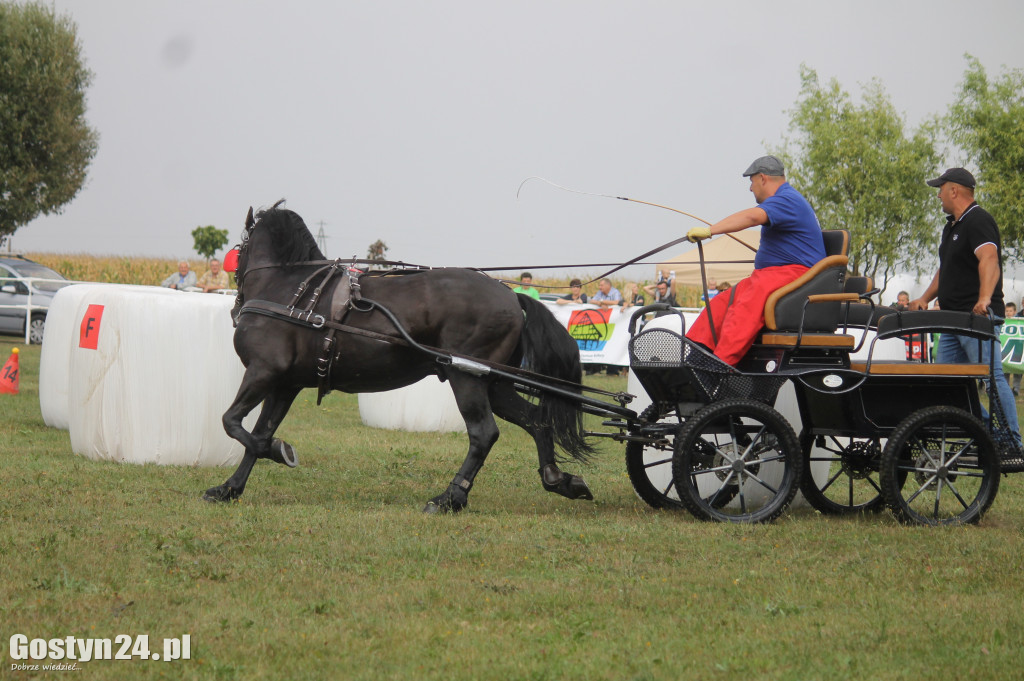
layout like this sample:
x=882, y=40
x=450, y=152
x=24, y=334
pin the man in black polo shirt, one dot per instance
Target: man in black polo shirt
x=970, y=276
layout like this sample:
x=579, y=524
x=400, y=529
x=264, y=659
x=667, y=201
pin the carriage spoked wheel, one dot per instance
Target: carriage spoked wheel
x=847, y=471
x=940, y=467
x=649, y=464
x=740, y=451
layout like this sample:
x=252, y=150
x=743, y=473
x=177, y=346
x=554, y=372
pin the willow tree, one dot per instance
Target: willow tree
x=986, y=122
x=45, y=144
x=864, y=171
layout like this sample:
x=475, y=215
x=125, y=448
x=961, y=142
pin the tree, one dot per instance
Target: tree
x=377, y=252
x=862, y=172
x=986, y=122
x=45, y=144
x=209, y=240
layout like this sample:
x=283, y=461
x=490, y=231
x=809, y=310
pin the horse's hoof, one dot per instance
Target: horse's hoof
x=443, y=503
x=221, y=493
x=578, y=489
x=569, y=486
x=282, y=452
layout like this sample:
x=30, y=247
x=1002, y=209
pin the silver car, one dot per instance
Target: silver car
x=17, y=280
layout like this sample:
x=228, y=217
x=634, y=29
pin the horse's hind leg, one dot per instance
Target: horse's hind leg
x=471, y=396
x=512, y=407
x=275, y=407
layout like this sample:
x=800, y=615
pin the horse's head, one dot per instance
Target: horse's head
x=274, y=237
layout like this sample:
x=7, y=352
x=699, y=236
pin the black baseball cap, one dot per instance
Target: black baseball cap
x=958, y=175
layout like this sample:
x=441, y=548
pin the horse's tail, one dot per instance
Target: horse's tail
x=548, y=349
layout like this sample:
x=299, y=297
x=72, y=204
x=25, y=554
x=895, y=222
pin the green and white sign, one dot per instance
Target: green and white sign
x=1012, y=341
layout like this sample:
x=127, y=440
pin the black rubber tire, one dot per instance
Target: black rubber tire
x=949, y=467
x=759, y=452
x=36, y=328
x=645, y=460
x=852, y=484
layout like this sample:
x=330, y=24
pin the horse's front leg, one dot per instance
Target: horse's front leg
x=471, y=396
x=258, y=444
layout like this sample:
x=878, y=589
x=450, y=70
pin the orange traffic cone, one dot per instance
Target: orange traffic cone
x=9, y=374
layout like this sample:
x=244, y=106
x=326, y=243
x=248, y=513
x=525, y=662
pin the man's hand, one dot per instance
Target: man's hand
x=981, y=307
x=917, y=304
x=698, y=234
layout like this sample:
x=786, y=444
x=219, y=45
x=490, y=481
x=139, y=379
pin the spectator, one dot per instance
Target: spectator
x=526, y=286
x=183, y=279
x=607, y=295
x=652, y=289
x=664, y=295
x=902, y=301
x=575, y=296
x=633, y=296
x=215, y=278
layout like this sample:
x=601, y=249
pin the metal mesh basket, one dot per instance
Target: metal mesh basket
x=720, y=381
x=1011, y=452
x=712, y=378
x=656, y=348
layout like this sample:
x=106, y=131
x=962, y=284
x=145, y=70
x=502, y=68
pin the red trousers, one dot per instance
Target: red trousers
x=738, y=313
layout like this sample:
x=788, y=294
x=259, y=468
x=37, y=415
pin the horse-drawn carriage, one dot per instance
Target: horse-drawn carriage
x=910, y=435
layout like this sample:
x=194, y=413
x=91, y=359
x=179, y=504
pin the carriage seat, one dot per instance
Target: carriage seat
x=898, y=324
x=791, y=322
x=862, y=314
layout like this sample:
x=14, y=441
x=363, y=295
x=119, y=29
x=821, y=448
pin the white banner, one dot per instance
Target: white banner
x=601, y=332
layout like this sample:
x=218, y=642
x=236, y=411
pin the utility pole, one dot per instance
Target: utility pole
x=321, y=238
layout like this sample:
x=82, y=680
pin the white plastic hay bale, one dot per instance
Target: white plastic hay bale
x=154, y=389
x=63, y=319
x=426, y=406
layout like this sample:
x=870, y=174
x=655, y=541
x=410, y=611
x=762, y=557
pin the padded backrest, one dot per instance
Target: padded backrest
x=837, y=241
x=929, y=321
x=858, y=285
x=784, y=309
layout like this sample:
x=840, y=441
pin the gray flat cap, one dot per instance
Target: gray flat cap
x=769, y=165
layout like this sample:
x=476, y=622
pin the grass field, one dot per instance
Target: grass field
x=330, y=570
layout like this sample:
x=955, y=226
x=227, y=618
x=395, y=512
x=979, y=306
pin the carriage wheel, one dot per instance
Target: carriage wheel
x=940, y=467
x=850, y=483
x=649, y=464
x=742, y=451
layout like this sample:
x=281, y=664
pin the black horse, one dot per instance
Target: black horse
x=444, y=313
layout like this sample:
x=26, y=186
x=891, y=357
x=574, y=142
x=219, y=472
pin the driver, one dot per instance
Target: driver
x=791, y=243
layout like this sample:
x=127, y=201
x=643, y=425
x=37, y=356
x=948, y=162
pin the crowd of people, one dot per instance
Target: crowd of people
x=214, y=280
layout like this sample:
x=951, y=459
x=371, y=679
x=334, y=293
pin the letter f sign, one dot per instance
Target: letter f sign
x=89, y=334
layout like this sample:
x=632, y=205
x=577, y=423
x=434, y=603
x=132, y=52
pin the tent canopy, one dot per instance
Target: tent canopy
x=720, y=255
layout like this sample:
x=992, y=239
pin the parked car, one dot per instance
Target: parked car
x=16, y=282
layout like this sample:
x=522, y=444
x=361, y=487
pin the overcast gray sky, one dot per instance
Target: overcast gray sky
x=416, y=122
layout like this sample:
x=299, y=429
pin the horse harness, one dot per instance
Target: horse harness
x=345, y=294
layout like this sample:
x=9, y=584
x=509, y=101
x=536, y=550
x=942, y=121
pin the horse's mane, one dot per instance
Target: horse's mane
x=290, y=238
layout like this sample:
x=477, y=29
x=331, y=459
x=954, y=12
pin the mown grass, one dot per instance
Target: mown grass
x=330, y=570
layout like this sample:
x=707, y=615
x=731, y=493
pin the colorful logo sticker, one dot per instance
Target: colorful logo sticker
x=591, y=329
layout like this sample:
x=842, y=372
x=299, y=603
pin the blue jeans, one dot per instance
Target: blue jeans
x=955, y=349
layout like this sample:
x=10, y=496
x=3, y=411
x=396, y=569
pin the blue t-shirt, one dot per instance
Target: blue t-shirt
x=792, y=235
